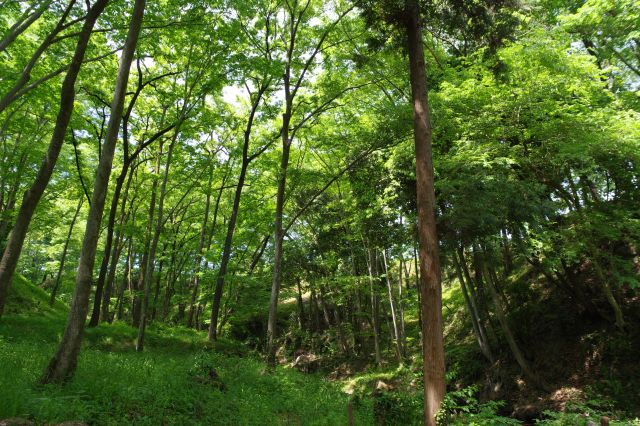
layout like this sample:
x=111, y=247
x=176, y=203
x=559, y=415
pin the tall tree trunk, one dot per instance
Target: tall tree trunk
x=115, y=255
x=156, y=295
x=56, y=285
x=126, y=282
x=95, y=314
x=278, y=237
x=392, y=305
x=476, y=322
x=148, y=277
x=168, y=292
x=300, y=306
x=231, y=226
x=375, y=307
x=201, y=242
x=63, y=363
x=431, y=306
x=508, y=334
x=282, y=184
x=34, y=193
x=226, y=255
x=401, y=304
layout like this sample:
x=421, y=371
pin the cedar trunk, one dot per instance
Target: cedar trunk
x=430, y=287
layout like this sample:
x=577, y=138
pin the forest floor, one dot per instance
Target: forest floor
x=180, y=378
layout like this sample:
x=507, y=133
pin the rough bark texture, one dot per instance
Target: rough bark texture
x=34, y=193
x=430, y=286
x=63, y=364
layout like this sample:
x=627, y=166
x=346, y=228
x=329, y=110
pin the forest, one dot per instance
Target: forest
x=320, y=212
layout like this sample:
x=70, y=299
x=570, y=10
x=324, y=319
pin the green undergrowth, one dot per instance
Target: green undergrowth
x=114, y=385
x=26, y=298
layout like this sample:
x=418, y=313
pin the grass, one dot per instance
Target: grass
x=115, y=385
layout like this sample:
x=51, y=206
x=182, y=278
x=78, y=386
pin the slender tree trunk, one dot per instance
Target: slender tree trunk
x=608, y=293
x=231, y=226
x=56, y=285
x=506, y=253
x=126, y=282
x=156, y=293
x=34, y=193
x=476, y=322
x=170, y=280
x=278, y=232
x=300, y=306
x=431, y=306
x=396, y=328
x=277, y=262
x=115, y=255
x=63, y=363
x=148, y=278
x=375, y=308
x=201, y=242
x=226, y=255
x=508, y=334
x=401, y=305
x=102, y=275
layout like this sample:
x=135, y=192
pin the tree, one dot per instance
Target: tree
x=32, y=196
x=64, y=362
x=430, y=287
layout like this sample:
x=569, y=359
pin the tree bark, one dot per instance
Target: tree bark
x=115, y=255
x=63, y=364
x=431, y=291
x=375, y=307
x=126, y=282
x=231, y=226
x=392, y=305
x=95, y=314
x=476, y=322
x=201, y=242
x=508, y=334
x=34, y=193
x=148, y=277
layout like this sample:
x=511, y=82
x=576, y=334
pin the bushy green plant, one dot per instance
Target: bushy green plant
x=461, y=407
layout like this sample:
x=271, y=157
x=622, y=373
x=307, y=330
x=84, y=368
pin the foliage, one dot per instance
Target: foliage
x=114, y=385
